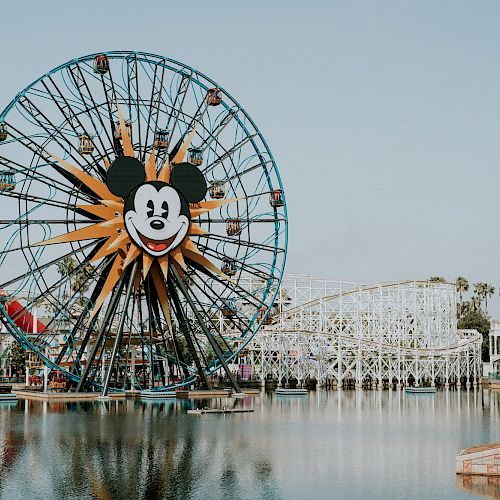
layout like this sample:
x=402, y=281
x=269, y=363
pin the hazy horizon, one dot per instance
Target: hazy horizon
x=383, y=117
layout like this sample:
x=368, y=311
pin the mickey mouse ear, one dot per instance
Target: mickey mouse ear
x=189, y=181
x=124, y=174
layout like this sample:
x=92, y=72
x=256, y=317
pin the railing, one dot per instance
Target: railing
x=13, y=380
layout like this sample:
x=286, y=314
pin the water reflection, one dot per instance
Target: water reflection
x=331, y=444
x=124, y=449
x=480, y=485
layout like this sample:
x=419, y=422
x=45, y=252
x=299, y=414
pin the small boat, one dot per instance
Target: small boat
x=8, y=396
x=420, y=390
x=291, y=392
x=202, y=411
x=158, y=394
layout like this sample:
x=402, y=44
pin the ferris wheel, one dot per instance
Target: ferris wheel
x=143, y=222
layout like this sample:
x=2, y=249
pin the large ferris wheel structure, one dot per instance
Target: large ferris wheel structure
x=136, y=195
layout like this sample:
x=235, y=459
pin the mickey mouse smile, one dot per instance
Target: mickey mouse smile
x=156, y=245
x=156, y=214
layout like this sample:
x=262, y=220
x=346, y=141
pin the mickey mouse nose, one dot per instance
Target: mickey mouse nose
x=157, y=224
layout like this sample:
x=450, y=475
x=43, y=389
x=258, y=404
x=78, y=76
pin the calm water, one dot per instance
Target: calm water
x=350, y=444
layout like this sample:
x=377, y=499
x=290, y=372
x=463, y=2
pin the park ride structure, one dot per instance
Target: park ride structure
x=136, y=193
x=343, y=334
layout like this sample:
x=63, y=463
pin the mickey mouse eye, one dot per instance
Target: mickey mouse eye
x=164, y=207
x=151, y=207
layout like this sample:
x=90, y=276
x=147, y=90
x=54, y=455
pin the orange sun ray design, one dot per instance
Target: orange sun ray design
x=147, y=262
x=111, y=228
x=109, y=284
x=161, y=290
x=179, y=157
x=132, y=254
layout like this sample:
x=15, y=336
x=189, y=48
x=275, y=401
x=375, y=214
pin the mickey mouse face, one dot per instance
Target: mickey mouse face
x=156, y=214
x=155, y=217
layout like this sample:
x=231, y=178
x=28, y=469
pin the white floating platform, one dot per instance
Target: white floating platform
x=420, y=390
x=238, y=395
x=158, y=394
x=481, y=460
x=219, y=410
x=291, y=392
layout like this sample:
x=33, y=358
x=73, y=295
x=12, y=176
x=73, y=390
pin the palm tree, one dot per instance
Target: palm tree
x=462, y=285
x=78, y=282
x=480, y=291
x=473, y=305
x=66, y=266
x=466, y=308
x=489, y=291
x=81, y=283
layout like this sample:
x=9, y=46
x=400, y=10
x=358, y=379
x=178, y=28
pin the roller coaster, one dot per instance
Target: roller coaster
x=382, y=335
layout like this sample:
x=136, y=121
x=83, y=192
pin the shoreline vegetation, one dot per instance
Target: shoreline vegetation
x=470, y=312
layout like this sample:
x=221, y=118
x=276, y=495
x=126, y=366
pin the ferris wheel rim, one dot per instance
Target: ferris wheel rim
x=282, y=232
x=116, y=54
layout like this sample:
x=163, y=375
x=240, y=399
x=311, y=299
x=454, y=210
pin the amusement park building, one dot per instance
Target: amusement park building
x=342, y=334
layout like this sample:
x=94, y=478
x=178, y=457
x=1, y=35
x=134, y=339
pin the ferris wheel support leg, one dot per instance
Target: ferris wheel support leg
x=184, y=327
x=119, y=334
x=106, y=266
x=109, y=313
x=206, y=331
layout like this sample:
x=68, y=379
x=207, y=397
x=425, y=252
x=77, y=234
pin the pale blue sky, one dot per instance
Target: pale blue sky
x=384, y=117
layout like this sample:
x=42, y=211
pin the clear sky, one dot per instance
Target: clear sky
x=383, y=116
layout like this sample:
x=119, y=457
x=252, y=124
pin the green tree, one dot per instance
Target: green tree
x=437, y=279
x=185, y=353
x=477, y=320
x=66, y=266
x=462, y=285
x=472, y=305
x=17, y=358
x=79, y=282
x=489, y=291
x=480, y=291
